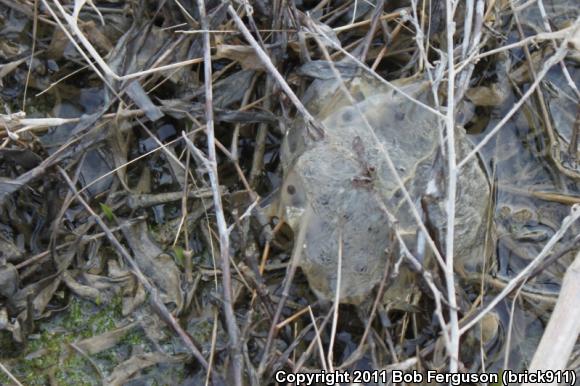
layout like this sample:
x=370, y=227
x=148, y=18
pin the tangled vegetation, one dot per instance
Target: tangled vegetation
x=142, y=235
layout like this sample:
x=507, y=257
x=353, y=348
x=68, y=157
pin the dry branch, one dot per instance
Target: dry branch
x=452, y=169
x=563, y=329
x=211, y=165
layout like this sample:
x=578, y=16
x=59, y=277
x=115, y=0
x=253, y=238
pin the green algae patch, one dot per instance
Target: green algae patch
x=52, y=355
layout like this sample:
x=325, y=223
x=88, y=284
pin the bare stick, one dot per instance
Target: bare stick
x=75, y=44
x=467, y=23
x=336, y=303
x=213, y=344
x=420, y=39
x=318, y=340
x=230, y=317
x=9, y=375
x=510, y=329
x=260, y=148
x=437, y=295
x=452, y=192
x=18, y=123
x=32, y=49
x=463, y=83
x=563, y=329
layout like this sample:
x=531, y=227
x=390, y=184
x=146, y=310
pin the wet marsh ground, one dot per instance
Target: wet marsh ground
x=140, y=146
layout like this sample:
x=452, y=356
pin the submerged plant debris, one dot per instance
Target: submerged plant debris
x=173, y=178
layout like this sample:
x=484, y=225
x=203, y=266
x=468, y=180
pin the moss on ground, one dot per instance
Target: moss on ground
x=47, y=354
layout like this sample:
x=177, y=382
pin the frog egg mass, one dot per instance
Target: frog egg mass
x=345, y=180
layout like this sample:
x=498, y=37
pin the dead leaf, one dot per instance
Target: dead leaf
x=8, y=280
x=140, y=97
x=137, y=363
x=134, y=299
x=494, y=95
x=109, y=339
x=58, y=44
x=96, y=36
x=7, y=68
x=84, y=291
x=8, y=250
x=521, y=74
x=7, y=325
x=244, y=55
x=156, y=265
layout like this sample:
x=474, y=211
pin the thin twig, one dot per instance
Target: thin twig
x=510, y=329
x=465, y=77
x=230, y=317
x=558, y=341
x=260, y=147
x=451, y=194
x=467, y=23
x=318, y=340
x=336, y=304
x=32, y=49
x=437, y=295
x=9, y=375
x=18, y=123
x=213, y=345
